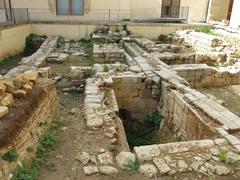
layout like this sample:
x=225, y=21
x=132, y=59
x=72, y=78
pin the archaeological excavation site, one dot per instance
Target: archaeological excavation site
x=119, y=105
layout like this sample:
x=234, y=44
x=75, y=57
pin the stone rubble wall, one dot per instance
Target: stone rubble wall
x=37, y=59
x=108, y=53
x=28, y=136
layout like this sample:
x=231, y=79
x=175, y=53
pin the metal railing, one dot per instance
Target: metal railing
x=24, y=15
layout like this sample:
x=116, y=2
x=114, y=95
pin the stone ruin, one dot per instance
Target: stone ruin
x=141, y=77
x=163, y=77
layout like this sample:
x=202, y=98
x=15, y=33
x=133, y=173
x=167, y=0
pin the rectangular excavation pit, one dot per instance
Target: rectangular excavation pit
x=141, y=110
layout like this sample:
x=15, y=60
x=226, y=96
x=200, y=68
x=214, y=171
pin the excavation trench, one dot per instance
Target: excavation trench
x=138, y=110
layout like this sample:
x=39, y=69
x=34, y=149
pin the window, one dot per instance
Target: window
x=70, y=7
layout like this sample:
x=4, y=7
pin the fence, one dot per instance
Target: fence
x=24, y=15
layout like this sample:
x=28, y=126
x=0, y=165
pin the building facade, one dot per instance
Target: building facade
x=114, y=10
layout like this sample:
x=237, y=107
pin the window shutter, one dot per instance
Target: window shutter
x=87, y=5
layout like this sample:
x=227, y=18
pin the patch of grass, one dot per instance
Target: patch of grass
x=29, y=149
x=105, y=68
x=207, y=30
x=48, y=143
x=205, y=87
x=132, y=166
x=222, y=156
x=11, y=61
x=57, y=124
x=11, y=155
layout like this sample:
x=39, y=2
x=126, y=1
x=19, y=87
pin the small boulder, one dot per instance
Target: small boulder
x=20, y=93
x=124, y=158
x=27, y=87
x=83, y=157
x=90, y=170
x=221, y=170
x=19, y=81
x=31, y=76
x=7, y=100
x=148, y=170
x=106, y=158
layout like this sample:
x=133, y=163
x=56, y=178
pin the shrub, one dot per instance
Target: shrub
x=222, y=156
x=11, y=155
x=153, y=120
x=131, y=166
x=105, y=68
x=29, y=149
x=162, y=38
x=30, y=46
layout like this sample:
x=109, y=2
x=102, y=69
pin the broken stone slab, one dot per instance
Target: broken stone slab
x=123, y=158
x=148, y=170
x=90, y=170
x=161, y=165
x=108, y=170
x=3, y=111
x=232, y=157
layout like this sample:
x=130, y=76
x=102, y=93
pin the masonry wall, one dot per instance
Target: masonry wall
x=29, y=135
x=133, y=96
x=12, y=40
x=45, y=10
x=186, y=122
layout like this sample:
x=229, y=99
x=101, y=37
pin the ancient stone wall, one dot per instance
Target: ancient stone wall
x=133, y=95
x=28, y=135
x=201, y=75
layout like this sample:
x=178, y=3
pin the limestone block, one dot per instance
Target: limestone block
x=148, y=170
x=106, y=158
x=108, y=170
x=2, y=88
x=27, y=87
x=90, y=170
x=7, y=100
x=31, y=76
x=161, y=165
x=145, y=153
x=3, y=111
x=20, y=93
